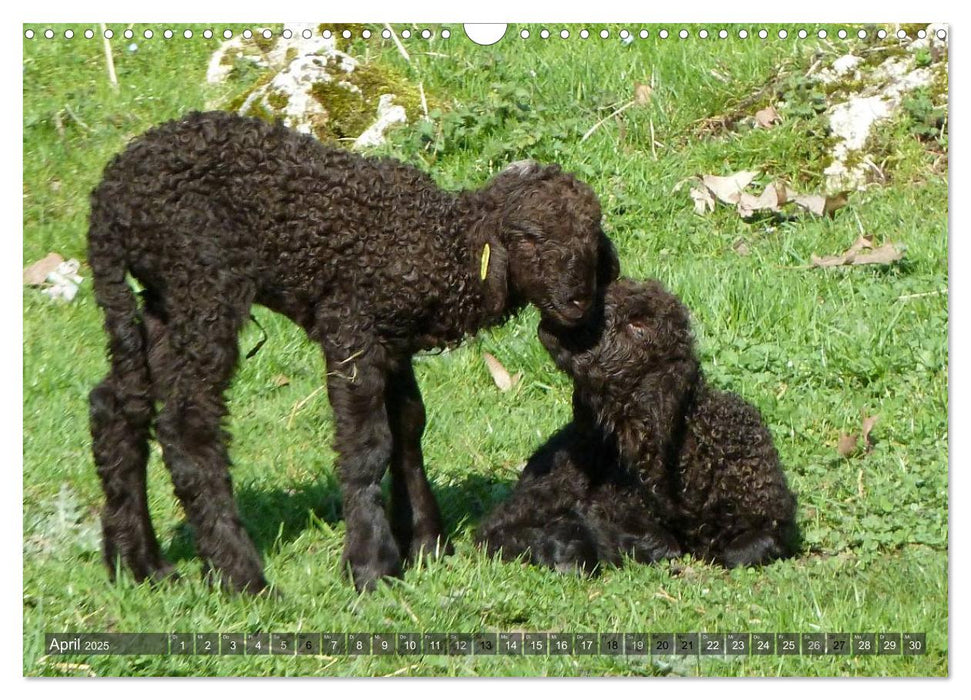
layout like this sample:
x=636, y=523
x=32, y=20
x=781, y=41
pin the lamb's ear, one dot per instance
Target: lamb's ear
x=494, y=273
x=608, y=264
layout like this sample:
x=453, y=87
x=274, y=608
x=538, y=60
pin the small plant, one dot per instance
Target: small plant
x=923, y=58
x=506, y=124
x=925, y=120
x=804, y=98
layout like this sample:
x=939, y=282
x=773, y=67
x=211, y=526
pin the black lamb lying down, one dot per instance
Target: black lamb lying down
x=655, y=463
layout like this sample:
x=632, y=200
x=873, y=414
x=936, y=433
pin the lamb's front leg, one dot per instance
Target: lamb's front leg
x=415, y=518
x=364, y=444
x=651, y=443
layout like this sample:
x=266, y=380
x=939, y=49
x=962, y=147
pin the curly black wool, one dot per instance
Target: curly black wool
x=217, y=212
x=655, y=463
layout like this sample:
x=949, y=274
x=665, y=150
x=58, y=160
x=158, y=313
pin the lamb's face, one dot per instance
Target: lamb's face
x=558, y=253
x=641, y=327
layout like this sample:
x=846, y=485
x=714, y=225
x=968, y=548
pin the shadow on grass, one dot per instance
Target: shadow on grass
x=277, y=516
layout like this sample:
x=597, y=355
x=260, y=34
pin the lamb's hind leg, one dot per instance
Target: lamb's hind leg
x=201, y=353
x=121, y=412
x=627, y=526
x=557, y=539
x=539, y=521
x=415, y=518
x=120, y=429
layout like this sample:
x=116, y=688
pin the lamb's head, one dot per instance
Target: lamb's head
x=641, y=329
x=546, y=245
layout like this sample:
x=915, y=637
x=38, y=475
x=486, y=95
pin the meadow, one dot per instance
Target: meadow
x=818, y=350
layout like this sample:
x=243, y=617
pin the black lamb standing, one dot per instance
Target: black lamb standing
x=216, y=212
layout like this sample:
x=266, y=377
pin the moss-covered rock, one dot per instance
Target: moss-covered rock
x=316, y=88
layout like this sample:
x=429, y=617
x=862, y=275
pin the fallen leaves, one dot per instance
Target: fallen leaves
x=642, y=93
x=728, y=188
x=767, y=117
x=862, y=252
x=705, y=190
x=59, y=277
x=819, y=205
x=848, y=444
x=36, y=273
x=771, y=199
x=500, y=375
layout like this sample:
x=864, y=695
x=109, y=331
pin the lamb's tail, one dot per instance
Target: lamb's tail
x=127, y=346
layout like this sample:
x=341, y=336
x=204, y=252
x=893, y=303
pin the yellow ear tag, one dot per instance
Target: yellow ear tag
x=484, y=269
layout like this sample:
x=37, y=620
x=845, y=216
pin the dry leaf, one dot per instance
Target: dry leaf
x=859, y=245
x=846, y=445
x=846, y=258
x=771, y=199
x=855, y=255
x=884, y=255
x=499, y=373
x=36, y=274
x=703, y=200
x=642, y=93
x=741, y=247
x=280, y=380
x=767, y=117
x=819, y=205
x=729, y=189
x=828, y=261
x=868, y=424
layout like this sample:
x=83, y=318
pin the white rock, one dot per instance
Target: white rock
x=221, y=62
x=388, y=114
x=931, y=39
x=300, y=63
x=844, y=64
x=851, y=121
x=64, y=281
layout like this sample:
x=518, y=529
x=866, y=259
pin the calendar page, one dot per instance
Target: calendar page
x=441, y=349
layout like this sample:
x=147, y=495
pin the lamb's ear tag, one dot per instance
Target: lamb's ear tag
x=484, y=268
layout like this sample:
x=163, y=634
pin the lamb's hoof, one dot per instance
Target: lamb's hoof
x=366, y=571
x=153, y=569
x=166, y=573
x=366, y=579
x=429, y=548
x=248, y=582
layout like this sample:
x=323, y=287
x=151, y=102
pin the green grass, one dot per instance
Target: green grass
x=814, y=349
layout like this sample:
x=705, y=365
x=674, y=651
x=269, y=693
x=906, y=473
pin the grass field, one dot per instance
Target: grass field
x=816, y=349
